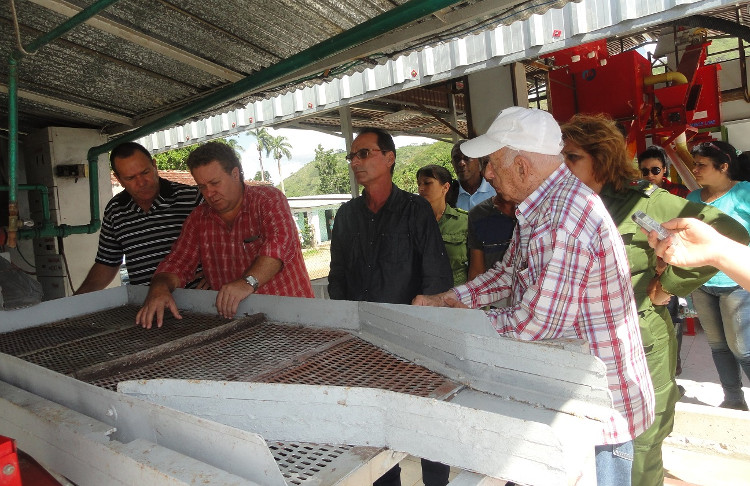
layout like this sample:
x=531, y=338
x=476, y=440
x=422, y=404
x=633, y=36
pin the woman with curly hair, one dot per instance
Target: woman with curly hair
x=595, y=151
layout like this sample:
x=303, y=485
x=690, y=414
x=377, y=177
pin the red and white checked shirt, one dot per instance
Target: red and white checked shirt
x=567, y=276
x=263, y=226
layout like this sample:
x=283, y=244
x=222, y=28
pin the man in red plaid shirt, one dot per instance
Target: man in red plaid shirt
x=243, y=236
x=566, y=273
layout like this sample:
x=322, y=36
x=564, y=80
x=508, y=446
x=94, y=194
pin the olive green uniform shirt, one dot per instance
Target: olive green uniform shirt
x=454, y=227
x=657, y=330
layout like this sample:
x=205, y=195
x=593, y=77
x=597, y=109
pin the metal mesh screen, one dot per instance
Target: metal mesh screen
x=300, y=461
x=106, y=347
x=116, y=336
x=359, y=363
x=238, y=357
x=23, y=341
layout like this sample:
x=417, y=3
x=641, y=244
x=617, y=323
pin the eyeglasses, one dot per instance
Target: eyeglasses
x=362, y=154
x=653, y=170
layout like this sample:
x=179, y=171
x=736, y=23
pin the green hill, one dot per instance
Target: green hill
x=306, y=181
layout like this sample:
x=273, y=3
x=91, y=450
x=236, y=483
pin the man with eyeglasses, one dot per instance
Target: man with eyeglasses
x=386, y=247
x=472, y=187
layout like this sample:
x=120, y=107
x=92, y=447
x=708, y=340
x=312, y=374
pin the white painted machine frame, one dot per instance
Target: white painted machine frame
x=530, y=412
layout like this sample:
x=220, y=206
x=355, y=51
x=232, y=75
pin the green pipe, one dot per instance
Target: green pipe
x=45, y=198
x=382, y=24
x=69, y=24
x=12, y=127
x=16, y=55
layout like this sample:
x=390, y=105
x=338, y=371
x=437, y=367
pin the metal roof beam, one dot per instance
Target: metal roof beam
x=70, y=106
x=118, y=30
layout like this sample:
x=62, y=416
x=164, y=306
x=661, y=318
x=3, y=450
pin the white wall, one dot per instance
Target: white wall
x=492, y=90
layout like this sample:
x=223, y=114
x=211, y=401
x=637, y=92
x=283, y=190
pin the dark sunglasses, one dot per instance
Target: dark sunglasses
x=362, y=154
x=653, y=170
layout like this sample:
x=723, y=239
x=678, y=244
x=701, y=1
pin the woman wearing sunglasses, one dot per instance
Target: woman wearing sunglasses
x=595, y=152
x=723, y=306
x=654, y=168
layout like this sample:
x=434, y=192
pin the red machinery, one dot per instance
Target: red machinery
x=10, y=474
x=660, y=107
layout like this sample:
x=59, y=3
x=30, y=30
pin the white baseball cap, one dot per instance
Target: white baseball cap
x=527, y=129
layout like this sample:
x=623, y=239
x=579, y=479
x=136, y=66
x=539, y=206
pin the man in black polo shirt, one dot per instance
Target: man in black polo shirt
x=141, y=222
x=385, y=247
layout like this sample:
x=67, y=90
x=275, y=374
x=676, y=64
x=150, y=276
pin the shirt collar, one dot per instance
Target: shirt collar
x=451, y=212
x=529, y=205
x=165, y=196
x=390, y=204
x=485, y=186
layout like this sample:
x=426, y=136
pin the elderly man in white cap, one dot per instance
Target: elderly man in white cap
x=565, y=274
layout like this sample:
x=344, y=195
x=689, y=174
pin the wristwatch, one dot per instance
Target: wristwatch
x=253, y=282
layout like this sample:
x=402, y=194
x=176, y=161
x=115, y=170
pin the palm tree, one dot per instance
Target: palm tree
x=279, y=147
x=261, y=137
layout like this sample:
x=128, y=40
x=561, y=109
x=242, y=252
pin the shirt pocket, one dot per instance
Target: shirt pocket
x=455, y=243
x=628, y=231
x=395, y=247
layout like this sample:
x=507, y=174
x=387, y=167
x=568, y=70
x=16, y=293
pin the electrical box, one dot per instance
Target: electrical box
x=57, y=158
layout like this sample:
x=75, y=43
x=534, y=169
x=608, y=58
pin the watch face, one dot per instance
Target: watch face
x=252, y=281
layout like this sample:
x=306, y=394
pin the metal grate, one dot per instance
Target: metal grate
x=98, y=343
x=238, y=357
x=300, y=461
x=358, y=363
x=124, y=339
x=23, y=341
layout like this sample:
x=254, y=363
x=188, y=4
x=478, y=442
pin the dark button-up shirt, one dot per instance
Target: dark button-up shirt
x=390, y=256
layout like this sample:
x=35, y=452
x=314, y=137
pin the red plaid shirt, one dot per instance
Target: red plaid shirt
x=567, y=276
x=263, y=226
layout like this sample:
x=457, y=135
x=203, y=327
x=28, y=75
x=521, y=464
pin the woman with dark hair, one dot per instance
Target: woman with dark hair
x=654, y=168
x=723, y=306
x=595, y=152
x=435, y=184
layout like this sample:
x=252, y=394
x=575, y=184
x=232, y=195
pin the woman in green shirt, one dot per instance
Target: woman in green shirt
x=596, y=153
x=434, y=183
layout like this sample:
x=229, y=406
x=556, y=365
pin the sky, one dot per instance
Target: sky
x=303, y=144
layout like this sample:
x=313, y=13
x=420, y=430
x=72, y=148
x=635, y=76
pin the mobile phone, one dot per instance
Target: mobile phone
x=649, y=224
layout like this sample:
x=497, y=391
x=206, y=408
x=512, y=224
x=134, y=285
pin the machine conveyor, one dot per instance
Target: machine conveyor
x=293, y=392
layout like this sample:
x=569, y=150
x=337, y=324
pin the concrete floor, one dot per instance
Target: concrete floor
x=684, y=464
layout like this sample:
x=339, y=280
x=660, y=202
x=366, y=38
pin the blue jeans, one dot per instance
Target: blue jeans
x=614, y=463
x=724, y=313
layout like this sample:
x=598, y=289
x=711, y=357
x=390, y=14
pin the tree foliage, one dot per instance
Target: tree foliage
x=333, y=172
x=263, y=177
x=308, y=181
x=175, y=159
x=279, y=147
x=410, y=159
x=262, y=138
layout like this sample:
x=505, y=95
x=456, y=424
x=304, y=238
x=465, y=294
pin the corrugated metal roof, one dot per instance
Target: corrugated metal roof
x=137, y=60
x=624, y=23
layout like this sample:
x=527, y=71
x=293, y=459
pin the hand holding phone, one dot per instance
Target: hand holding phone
x=649, y=224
